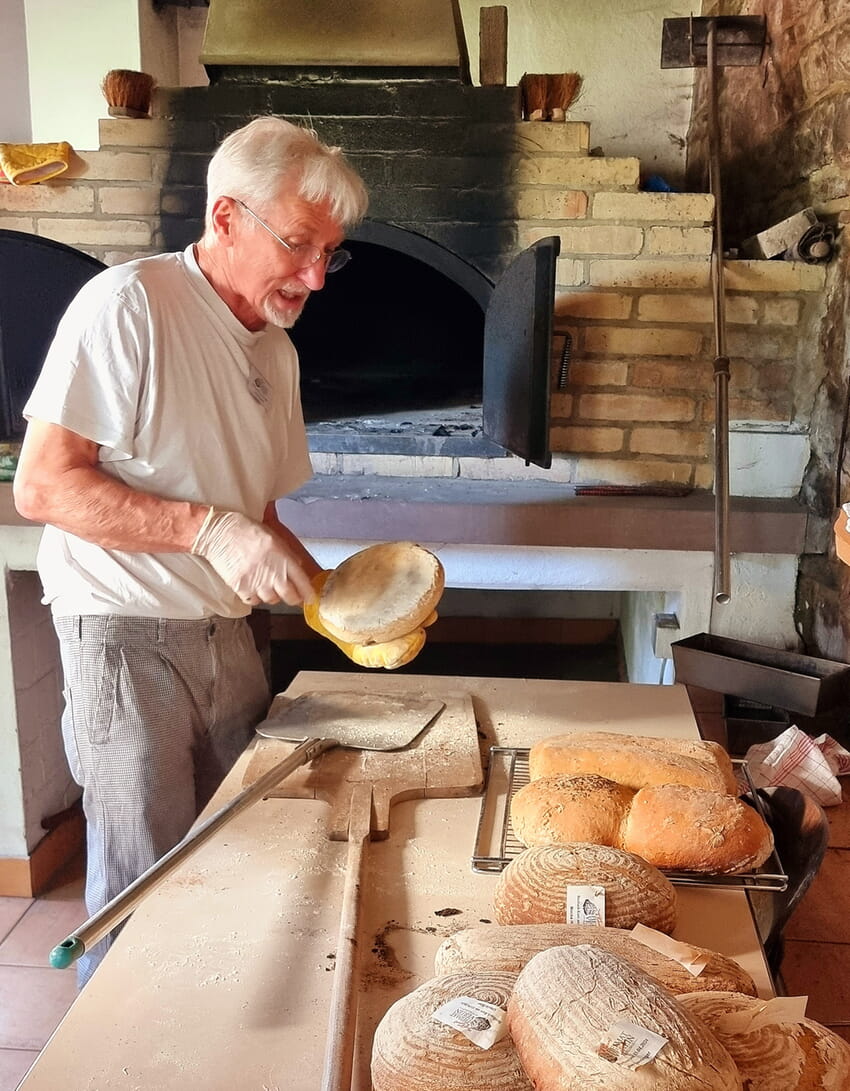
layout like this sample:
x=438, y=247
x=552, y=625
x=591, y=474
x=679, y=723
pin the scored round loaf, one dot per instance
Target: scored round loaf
x=560, y=1016
x=687, y=829
x=555, y=810
x=636, y=761
x=412, y=1051
x=381, y=593
x=509, y=947
x=533, y=887
x=801, y=1056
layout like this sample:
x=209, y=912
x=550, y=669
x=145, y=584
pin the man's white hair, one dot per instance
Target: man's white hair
x=256, y=162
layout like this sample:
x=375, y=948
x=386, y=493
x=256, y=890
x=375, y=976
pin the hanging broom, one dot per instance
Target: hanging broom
x=533, y=91
x=561, y=91
x=127, y=93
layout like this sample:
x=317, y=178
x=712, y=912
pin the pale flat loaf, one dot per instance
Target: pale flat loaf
x=533, y=887
x=684, y=829
x=781, y=1056
x=636, y=761
x=381, y=593
x=411, y=1051
x=554, y=810
x=562, y=1008
x=509, y=947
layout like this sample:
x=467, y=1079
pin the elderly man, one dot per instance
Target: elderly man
x=164, y=425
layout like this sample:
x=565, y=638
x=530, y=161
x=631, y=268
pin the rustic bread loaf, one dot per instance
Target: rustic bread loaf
x=509, y=947
x=533, y=887
x=801, y=1056
x=412, y=1051
x=634, y=760
x=381, y=593
x=562, y=1008
x=686, y=829
x=554, y=810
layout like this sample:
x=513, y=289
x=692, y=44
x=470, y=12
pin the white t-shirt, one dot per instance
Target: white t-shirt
x=150, y=363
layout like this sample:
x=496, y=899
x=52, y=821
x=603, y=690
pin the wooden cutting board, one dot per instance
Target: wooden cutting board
x=444, y=761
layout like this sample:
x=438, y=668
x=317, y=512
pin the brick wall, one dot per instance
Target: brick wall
x=633, y=279
x=786, y=146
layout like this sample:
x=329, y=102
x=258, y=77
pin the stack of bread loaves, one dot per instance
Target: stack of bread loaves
x=598, y=1015
x=509, y=947
x=673, y=802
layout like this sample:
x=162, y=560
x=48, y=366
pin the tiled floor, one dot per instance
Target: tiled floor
x=34, y=997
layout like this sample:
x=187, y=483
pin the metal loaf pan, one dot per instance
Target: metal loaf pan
x=787, y=680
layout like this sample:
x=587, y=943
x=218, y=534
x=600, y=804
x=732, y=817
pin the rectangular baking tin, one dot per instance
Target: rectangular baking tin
x=788, y=680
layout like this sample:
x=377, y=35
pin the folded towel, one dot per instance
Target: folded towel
x=26, y=164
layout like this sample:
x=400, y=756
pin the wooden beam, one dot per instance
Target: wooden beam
x=493, y=46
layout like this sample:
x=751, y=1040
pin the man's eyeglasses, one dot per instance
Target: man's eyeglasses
x=304, y=254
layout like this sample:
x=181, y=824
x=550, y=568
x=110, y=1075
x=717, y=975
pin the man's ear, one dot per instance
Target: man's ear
x=222, y=217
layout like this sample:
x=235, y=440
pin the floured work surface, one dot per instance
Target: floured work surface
x=442, y=761
x=222, y=978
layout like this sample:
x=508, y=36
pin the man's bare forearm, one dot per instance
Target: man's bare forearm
x=90, y=504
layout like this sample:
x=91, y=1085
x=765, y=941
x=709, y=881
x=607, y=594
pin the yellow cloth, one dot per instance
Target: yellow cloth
x=389, y=655
x=26, y=164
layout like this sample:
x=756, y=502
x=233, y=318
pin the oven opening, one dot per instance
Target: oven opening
x=390, y=347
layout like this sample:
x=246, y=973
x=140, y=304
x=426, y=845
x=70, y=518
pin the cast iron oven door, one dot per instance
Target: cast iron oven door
x=517, y=354
x=38, y=279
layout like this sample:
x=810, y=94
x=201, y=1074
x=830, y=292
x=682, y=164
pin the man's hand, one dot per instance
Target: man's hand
x=251, y=559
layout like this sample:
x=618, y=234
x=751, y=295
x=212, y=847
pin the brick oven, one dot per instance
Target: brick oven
x=616, y=335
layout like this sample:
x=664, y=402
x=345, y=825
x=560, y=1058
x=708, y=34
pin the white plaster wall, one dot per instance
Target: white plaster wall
x=634, y=108
x=767, y=460
x=70, y=48
x=18, y=547
x=15, y=124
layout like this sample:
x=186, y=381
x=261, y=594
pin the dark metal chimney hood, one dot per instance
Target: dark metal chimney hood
x=386, y=34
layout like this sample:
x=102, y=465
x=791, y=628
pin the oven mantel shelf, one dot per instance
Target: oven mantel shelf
x=538, y=513
x=519, y=513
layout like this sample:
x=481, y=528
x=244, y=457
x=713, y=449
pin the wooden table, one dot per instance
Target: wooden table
x=221, y=979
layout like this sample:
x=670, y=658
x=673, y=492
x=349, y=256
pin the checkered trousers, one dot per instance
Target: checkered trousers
x=156, y=713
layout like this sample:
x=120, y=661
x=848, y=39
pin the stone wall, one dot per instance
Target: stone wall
x=633, y=276
x=786, y=146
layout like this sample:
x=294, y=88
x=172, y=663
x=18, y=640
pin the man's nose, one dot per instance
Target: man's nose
x=314, y=275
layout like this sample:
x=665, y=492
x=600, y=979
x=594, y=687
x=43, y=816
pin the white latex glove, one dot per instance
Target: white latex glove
x=251, y=559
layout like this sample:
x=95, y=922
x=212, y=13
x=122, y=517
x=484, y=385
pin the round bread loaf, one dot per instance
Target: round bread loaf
x=533, y=887
x=509, y=947
x=555, y=810
x=637, y=761
x=688, y=829
x=411, y=1050
x=801, y=1056
x=561, y=1012
x=381, y=593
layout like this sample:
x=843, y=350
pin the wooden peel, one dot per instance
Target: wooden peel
x=360, y=788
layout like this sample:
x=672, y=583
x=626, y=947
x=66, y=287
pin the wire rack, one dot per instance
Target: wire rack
x=496, y=843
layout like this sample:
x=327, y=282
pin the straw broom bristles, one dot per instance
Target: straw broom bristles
x=533, y=90
x=128, y=93
x=548, y=96
x=560, y=94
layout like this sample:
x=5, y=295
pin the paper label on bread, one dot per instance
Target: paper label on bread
x=630, y=1045
x=482, y=1023
x=585, y=904
x=780, y=1009
x=693, y=959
